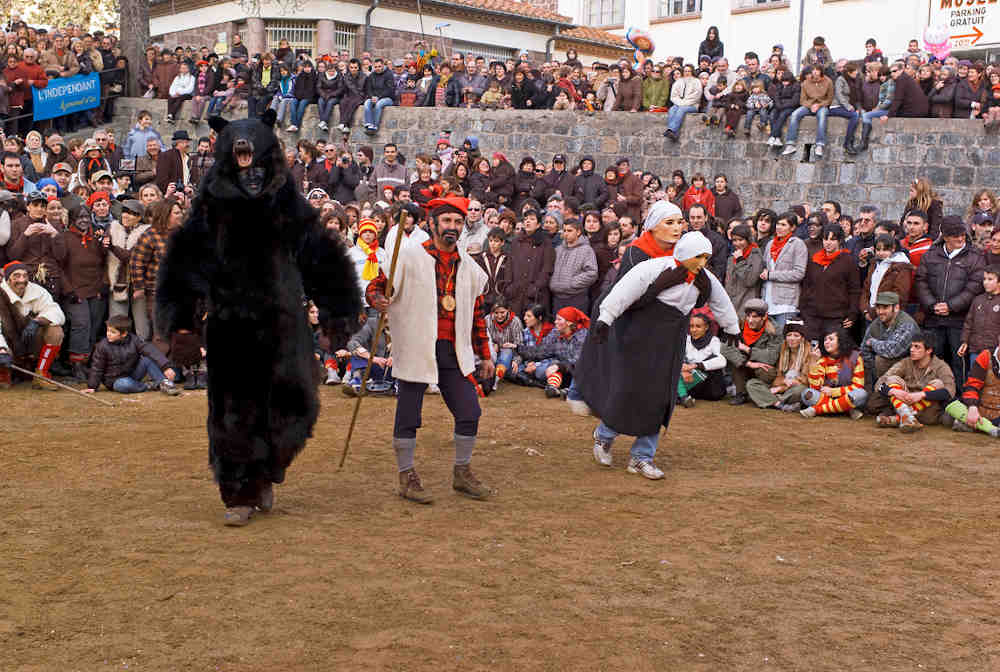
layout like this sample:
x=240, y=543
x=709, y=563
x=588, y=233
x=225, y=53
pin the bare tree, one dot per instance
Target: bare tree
x=134, y=38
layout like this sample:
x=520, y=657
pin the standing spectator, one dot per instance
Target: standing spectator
x=942, y=95
x=575, y=269
x=532, y=261
x=497, y=265
x=525, y=183
x=815, y=100
x=138, y=137
x=629, y=192
x=124, y=237
x=699, y=193
x=818, y=56
x=891, y=271
x=172, y=165
x=727, y=202
x=711, y=46
x=698, y=218
x=743, y=268
x=84, y=285
x=981, y=329
x=351, y=94
x=924, y=198
x=380, y=92
x=970, y=94
x=685, y=94
x=389, y=172
x=831, y=288
x=949, y=277
x=629, y=91
x=38, y=245
x=887, y=338
x=589, y=187
x=786, y=257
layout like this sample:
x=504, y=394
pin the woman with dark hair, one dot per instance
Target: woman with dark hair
x=525, y=182
x=837, y=381
x=704, y=367
x=744, y=267
x=814, y=225
x=891, y=272
x=480, y=179
x=831, y=289
x=502, y=181
x=795, y=361
x=786, y=94
x=763, y=225
x=536, y=327
x=711, y=46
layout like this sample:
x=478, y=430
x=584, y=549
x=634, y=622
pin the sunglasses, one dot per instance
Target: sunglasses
x=475, y=209
x=539, y=171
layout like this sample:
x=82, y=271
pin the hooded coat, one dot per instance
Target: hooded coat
x=589, y=186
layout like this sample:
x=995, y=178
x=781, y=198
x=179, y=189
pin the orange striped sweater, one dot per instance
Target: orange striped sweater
x=827, y=372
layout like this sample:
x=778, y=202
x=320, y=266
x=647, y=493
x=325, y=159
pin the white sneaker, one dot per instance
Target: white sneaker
x=602, y=451
x=579, y=407
x=789, y=149
x=343, y=128
x=770, y=141
x=323, y=126
x=645, y=468
x=433, y=389
x=818, y=149
x=332, y=377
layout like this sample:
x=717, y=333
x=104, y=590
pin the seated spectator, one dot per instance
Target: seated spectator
x=816, y=98
x=30, y=326
x=891, y=272
x=536, y=329
x=561, y=348
x=122, y=361
x=755, y=352
x=351, y=93
x=837, y=381
x=831, y=288
x=283, y=99
x=380, y=92
x=845, y=102
x=787, y=94
x=887, y=339
x=303, y=93
x=743, y=268
x=981, y=329
x=703, y=371
x=506, y=336
x=942, y=95
x=735, y=104
x=795, y=361
x=181, y=89
x=970, y=93
x=886, y=93
x=978, y=407
x=685, y=94
x=380, y=380
x=758, y=106
x=916, y=389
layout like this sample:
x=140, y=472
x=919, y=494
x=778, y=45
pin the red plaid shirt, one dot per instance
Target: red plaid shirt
x=445, y=272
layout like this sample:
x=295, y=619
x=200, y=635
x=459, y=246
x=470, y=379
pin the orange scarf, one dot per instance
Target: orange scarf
x=824, y=259
x=777, y=244
x=748, y=249
x=648, y=244
x=749, y=335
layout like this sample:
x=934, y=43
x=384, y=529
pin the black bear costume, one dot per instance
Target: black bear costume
x=251, y=251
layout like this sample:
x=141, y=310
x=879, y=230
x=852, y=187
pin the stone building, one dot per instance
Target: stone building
x=496, y=29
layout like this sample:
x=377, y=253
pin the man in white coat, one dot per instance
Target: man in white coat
x=30, y=324
x=438, y=329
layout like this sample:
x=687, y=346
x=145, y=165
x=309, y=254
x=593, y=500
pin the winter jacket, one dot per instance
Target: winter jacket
x=351, y=86
x=787, y=96
x=891, y=341
x=764, y=350
x=525, y=184
x=589, y=187
x=552, y=182
x=630, y=187
x=782, y=287
x=112, y=361
x=381, y=85
x=499, y=274
x=816, y=93
x=55, y=63
x=575, y=269
x=843, y=93
x=703, y=196
x=501, y=184
x=629, y=94
x=727, y=205
x=686, y=91
x=655, y=92
x=532, y=261
x=305, y=86
x=343, y=181
x=84, y=266
x=869, y=94
x=257, y=87
x=122, y=242
x=981, y=329
x=942, y=101
x=710, y=357
x=520, y=94
x=956, y=281
x=37, y=250
x=743, y=277
x=897, y=276
x=564, y=350
x=965, y=95
x=326, y=86
x=714, y=49
x=832, y=291
x=909, y=100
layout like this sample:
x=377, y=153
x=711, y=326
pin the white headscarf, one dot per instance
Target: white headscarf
x=692, y=244
x=659, y=211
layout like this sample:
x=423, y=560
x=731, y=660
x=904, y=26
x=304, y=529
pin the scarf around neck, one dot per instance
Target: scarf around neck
x=749, y=335
x=824, y=259
x=648, y=244
x=370, y=270
x=702, y=343
x=748, y=249
x=777, y=244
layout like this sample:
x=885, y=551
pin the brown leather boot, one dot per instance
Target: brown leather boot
x=412, y=489
x=5, y=380
x=464, y=482
x=40, y=384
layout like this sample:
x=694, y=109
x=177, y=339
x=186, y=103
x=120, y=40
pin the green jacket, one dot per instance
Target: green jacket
x=765, y=350
x=655, y=92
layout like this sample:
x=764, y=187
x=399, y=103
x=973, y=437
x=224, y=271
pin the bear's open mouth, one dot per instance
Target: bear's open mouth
x=243, y=153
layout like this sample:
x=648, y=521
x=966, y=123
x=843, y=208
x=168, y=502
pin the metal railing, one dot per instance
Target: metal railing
x=15, y=120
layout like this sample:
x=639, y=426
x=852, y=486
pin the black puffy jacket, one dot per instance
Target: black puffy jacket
x=590, y=187
x=956, y=281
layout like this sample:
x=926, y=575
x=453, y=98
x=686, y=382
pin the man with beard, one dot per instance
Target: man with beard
x=30, y=325
x=439, y=329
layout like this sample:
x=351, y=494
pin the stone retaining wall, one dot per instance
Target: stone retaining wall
x=956, y=155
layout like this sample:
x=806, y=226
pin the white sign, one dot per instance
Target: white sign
x=967, y=23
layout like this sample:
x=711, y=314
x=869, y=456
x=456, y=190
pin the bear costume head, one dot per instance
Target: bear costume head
x=248, y=159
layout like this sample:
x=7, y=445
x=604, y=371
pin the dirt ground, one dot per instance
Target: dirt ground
x=773, y=543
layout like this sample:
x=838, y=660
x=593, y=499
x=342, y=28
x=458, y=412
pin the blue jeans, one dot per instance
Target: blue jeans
x=868, y=117
x=852, y=118
x=793, y=125
x=215, y=104
x=376, y=376
x=675, y=116
x=326, y=106
x=505, y=357
x=132, y=383
x=763, y=113
x=644, y=447
x=299, y=110
x=373, y=113
x=779, y=122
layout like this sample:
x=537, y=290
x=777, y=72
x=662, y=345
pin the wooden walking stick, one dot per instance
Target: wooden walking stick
x=14, y=367
x=378, y=333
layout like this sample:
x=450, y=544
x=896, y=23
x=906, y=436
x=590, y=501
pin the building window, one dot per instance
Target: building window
x=344, y=35
x=604, y=12
x=301, y=36
x=759, y=4
x=487, y=51
x=663, y=9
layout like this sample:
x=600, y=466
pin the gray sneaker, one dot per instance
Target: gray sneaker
x=645, y=468
x=602, y=451
x=168, y=388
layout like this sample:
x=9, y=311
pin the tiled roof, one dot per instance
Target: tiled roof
x=596, y=36
x=511, y=7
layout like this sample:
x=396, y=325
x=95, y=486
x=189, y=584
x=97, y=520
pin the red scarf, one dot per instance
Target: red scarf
x=777, y=244
x=648, y=244
x=503, y=325
x=824, y=259
x=749, y=335
x=748, y=249
x=15, y=188
x=85, y=236
x=546, y=328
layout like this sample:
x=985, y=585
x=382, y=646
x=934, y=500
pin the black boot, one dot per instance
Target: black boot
x=849, y=145
x=866, y=133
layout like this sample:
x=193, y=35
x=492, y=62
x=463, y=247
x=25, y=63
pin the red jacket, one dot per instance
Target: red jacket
x=703, y=196
x=19, y=93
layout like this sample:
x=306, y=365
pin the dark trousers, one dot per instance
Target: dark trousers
x=86, y=322
x=818, y=327
x=778, y=121
x=174, y=105
x=458, y=393
x=948, y=340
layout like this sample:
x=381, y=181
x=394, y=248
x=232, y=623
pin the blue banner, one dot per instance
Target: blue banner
x=66, y=95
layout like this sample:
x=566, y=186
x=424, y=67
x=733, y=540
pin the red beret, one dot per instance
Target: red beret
x=449, y=203
x=98, y=196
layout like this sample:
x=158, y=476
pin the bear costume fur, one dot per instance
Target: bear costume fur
x=250, y=252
